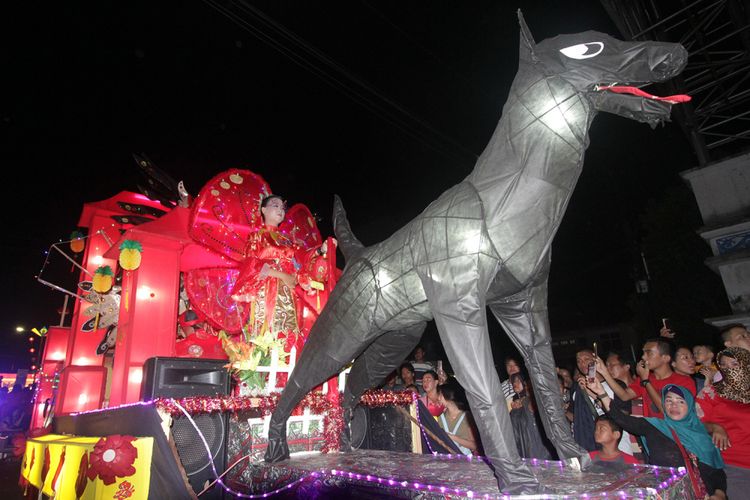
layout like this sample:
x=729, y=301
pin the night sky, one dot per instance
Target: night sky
x=395, y=108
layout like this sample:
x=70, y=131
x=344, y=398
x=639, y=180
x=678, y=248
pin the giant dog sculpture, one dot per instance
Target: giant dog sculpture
x=485, y=242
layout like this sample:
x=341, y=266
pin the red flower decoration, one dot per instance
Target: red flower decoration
x=112, y=456
x=82, y=481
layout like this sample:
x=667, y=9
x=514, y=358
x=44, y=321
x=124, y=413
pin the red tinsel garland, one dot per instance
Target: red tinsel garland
x=380, y=397
x=316, y=402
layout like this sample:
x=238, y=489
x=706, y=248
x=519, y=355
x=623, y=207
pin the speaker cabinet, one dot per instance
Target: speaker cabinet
x=380, y=428
x=184, y=377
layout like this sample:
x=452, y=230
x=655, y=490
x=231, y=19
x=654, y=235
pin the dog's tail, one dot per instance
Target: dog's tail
x=348, y=243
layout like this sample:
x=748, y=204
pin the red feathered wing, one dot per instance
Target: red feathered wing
x=224, y=214
x=227, y=210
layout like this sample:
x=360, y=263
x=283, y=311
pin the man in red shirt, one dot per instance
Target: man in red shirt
x=654, y=372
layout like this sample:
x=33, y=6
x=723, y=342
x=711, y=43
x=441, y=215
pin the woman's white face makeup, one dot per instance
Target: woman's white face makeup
x=274, y=212
x=675, y=406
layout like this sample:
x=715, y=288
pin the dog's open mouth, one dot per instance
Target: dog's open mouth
x=626, y=89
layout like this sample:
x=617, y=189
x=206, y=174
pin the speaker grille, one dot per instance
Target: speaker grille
x=191, y=449
x=358, y=427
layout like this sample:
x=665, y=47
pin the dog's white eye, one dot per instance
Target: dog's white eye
x=583, y=50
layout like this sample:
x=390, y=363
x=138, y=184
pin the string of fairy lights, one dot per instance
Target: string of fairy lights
x=667, y=477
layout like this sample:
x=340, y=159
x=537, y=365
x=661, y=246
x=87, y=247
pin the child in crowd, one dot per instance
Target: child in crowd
x=704, y=357
x=607, y=434
x=705, y=365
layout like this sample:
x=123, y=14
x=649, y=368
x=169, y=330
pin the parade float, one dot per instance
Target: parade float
x=153, y=320
x=120, y=402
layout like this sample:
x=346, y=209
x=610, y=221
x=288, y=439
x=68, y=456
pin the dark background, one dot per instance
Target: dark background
x=418, y=92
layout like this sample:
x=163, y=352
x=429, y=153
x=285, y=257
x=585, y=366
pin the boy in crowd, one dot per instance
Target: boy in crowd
x=420, y=363
x=607, y=434
x=704, y=357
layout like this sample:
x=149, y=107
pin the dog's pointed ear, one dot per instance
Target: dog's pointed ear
x=527, y=45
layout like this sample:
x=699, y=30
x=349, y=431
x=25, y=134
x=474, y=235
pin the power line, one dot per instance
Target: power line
x=426, y=50
x=329, y=71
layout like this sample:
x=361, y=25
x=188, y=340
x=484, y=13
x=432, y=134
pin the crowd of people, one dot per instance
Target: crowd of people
x=676, y=406
x=15, y=414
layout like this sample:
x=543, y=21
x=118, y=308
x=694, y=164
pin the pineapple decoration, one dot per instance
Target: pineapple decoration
x=103, y=278
x=102, y=283
x=130, y=259
x=76, y=241
x=130, y=254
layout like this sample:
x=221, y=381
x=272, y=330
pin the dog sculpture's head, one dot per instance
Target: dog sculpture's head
x=609, y=72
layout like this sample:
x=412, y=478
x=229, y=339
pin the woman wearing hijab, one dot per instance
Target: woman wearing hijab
x=677, y=440
x=725, y=411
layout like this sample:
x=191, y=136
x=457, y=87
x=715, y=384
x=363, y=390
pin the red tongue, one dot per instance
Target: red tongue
x=622, y=89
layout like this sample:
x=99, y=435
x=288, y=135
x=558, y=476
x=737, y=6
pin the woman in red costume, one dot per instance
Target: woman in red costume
x=273, y=266
x=251, y=298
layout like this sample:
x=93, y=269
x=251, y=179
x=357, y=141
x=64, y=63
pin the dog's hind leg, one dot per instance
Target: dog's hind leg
x=373, y=366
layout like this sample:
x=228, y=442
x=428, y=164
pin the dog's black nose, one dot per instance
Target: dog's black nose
x=671, y=63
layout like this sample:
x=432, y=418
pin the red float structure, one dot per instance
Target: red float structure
x=69, y=358
x=73, y=377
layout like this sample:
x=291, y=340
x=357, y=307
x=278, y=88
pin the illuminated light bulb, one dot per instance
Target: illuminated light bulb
x=136, y=376
x=143, y=293
x=83, y=399
x=97, y=260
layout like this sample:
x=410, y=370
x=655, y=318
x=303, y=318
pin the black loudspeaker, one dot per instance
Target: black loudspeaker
x=380, y=428
x=184, y=377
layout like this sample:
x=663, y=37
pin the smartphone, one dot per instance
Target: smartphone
x=596, y=353
x=666, y=323
x=440, y=365
x=591, y=375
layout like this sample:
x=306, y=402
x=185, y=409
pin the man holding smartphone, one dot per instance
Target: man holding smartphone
x=654, y=372
x=587, y=409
